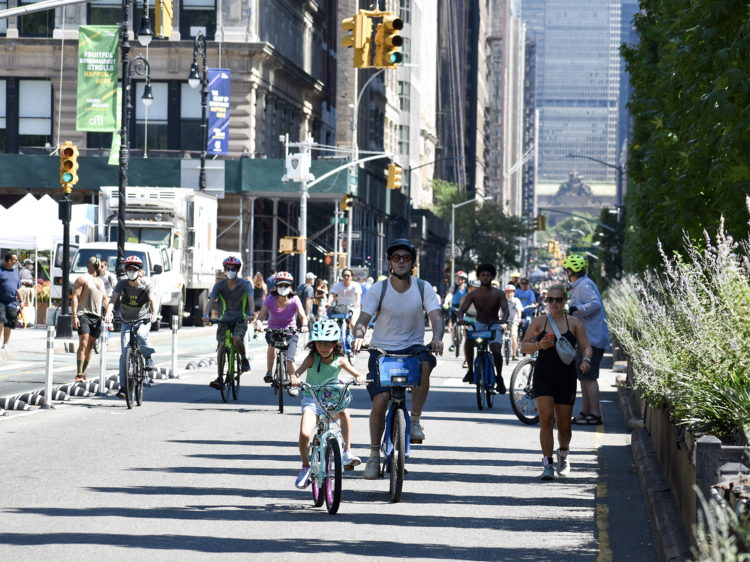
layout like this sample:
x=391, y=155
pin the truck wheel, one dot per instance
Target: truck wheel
x=200, y=302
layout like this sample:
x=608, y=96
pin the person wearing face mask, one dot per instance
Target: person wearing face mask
x=281, y=307
x=138, y=303
x=236, y=305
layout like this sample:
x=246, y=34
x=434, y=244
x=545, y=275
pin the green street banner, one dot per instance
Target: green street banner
x=97, y=78
x=114, y=153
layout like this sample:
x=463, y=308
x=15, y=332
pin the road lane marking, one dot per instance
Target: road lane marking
x=16, y=366
x=602, y=509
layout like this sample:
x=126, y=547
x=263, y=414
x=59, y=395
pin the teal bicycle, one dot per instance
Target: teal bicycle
x=327, y=445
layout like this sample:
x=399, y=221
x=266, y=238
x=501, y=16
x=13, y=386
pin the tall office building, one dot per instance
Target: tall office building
x=578, y=87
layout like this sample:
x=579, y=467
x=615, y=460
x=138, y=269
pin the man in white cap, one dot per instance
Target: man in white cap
x=305, y=293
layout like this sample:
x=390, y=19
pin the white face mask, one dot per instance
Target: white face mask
x=132, y=274
x=284, y=291
x=231, y=274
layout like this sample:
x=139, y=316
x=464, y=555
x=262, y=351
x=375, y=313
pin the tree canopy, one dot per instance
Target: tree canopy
x=690, y=152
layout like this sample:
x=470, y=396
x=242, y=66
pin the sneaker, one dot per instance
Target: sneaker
x=149, y=364
x=121, y=395
x=245, y=365
x=350, y=459
x=372, y=469
x=303, y=478
x=549, y=473
x=268, y=378
x=5, y=346
x=293, y=391
x=563, y=465
x=500, y=386
x=216, y=384
x=469, y=377
x=416, y=431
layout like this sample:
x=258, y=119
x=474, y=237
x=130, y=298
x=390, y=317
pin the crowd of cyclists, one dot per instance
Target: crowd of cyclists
x=397, y=308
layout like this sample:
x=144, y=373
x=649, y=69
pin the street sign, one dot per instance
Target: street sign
x=353, y=180
x=356, y=235
x=342, y=220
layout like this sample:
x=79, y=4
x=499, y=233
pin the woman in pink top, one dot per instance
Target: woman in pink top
x=281, y=306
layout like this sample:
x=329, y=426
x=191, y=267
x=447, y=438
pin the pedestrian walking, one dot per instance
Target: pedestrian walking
x=10, y=296
x=88, y=295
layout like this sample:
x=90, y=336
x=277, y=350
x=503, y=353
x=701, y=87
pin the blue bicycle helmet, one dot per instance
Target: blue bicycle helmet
x=325, y=330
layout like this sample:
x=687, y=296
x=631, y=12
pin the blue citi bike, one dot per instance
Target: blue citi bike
x=400, y=373
x=341, y=314
x=327, y=445
x=484, y=362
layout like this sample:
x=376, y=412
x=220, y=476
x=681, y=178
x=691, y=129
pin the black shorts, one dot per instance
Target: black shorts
x=89, y=324
x=8, y=316
x=292, y=345
x=562, y=389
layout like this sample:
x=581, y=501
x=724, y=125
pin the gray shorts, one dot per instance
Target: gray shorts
x=481, y=326
x=239, y=330
x=596, y=360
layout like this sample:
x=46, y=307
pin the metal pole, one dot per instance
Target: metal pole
x=125, y=47
x=103, y=358
x=200, y=43
x=173, y=372
x=408, y=205
x=251, y=235
x=335, y=242
x=274, y=233
x=50, y=366
x=349, y=220
x=303, y=229
x=240, y=237
x=65, y=321
x=453, y=243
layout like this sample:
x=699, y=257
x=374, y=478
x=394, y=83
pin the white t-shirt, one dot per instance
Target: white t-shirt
x=347, y=295
x=401, y=320
x=515, y=308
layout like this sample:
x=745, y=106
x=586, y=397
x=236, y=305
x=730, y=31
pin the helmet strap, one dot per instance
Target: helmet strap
x=403, y=278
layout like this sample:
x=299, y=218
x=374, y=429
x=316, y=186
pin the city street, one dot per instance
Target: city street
x=187, y=477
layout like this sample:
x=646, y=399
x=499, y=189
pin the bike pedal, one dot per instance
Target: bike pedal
x=348, y=468
x=414, y=442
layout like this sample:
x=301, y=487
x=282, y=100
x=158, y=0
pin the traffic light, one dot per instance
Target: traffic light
x=387, y=42
x=164, y=12
x=539, y=223
x=535, y=223
x=550, y=246
x=68, y=166
x=360, y=39
x=346, y=202
x=556, y=250
x=394, y=176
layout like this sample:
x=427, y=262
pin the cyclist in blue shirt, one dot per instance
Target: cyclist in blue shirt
x=527, y=297
x=453, y=299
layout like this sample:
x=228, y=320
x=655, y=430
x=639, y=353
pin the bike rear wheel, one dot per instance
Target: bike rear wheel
x=280, y=379
x=236, y=377
x=507, y=350
x=522, y=398
x=479, y=380
x=131, y=371
x=457, y=340
x=334, y=470
x=225, y=372
x=398, y=455
x=318, y=495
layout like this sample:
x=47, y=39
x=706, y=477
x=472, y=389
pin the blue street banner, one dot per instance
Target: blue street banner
x=218, y=110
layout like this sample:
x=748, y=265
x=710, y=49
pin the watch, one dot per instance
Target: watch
x=587, y=359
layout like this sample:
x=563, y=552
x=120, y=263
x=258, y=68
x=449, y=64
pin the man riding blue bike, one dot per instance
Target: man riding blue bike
x=400, y=303
x=453, y=300
x=528, y=300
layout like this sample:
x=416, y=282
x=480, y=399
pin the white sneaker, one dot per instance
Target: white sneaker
x=563, y=465
x=372, y=469
x=350, y=459
x=5, y=346
x=303, y=478
x=548, y=473
x=416, y=432
x=293, y=391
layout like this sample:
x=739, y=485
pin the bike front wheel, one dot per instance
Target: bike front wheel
x=398, y=455
x=334, y=470
x=225, y=372
x=479, y=381
x=488, y=386
x=236, y=377
x=522, y=398
x=280, y=378
x=131, y=372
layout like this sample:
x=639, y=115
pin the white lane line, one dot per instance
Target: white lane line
x=16, y=366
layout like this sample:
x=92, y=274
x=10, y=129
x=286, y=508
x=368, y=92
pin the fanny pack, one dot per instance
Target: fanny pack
x=565, y=349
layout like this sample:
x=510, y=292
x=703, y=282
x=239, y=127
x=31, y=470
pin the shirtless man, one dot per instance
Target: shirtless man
x=488, y=302
x=88, y=295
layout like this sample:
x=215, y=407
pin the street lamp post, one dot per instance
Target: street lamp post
x=453, y=229
x=618, y=192
x=141, y=68
x=199, y=48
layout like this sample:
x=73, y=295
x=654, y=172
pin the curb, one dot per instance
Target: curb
x=672, y=542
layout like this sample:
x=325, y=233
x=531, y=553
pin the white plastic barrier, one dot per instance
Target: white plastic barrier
x=50, y=367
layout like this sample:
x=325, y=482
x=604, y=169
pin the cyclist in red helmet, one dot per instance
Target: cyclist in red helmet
x=138, y=303
x=234, y=295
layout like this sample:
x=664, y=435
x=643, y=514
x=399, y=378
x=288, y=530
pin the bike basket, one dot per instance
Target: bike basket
x=339, y=316
x=329, y=395
x=479, y=334
x=280, y=341
x=399, y=371
x=338, y=309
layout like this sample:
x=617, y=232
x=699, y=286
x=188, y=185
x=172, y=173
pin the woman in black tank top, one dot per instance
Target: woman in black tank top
x=555, y=382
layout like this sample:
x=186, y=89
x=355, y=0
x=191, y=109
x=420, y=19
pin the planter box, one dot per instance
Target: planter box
x=687, y=460
x=41, y=313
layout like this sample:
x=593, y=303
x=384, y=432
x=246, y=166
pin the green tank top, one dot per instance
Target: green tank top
x=320, y=373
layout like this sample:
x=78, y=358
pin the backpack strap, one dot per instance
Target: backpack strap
x=420, y=286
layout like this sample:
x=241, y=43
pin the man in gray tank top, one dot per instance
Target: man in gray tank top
x=88, y=295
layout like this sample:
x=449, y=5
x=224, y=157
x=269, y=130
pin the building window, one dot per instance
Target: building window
x=190, y=118
x=404, y=95
x=403, y=139
x=405, y=11
x=406, y=50
x=34, y=112
x=38, y=24
x=198, y=15
x=3, y=22
x=156, y=115
x=105, y=12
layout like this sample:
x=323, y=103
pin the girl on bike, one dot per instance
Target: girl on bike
x=555, y=382
x=281, y=307
x=323, y=365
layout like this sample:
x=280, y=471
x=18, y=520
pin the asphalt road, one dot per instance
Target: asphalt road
x=187, y=477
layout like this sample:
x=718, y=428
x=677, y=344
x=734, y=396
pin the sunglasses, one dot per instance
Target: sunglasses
x=347, y=275
x=406, y=258
x=558, y=300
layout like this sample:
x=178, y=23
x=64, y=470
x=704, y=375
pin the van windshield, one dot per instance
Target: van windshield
x=82, y=257
x=151, y=236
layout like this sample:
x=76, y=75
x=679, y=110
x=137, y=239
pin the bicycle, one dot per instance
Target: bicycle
x=230, y=365
x=522, y=398
x=135, y=368
x=400, y=373
x=280, y=340
x=484, y=363
x=342, y=319
x=457, y=338
x=326, y=446
x=507, y=344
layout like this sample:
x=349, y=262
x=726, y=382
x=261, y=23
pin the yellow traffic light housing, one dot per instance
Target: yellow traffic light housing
x=346, y=202
x=164, y=12
x=550, y=246
x=68, y=166
x=360, y=39
x=394, y=176
x=387, y=42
